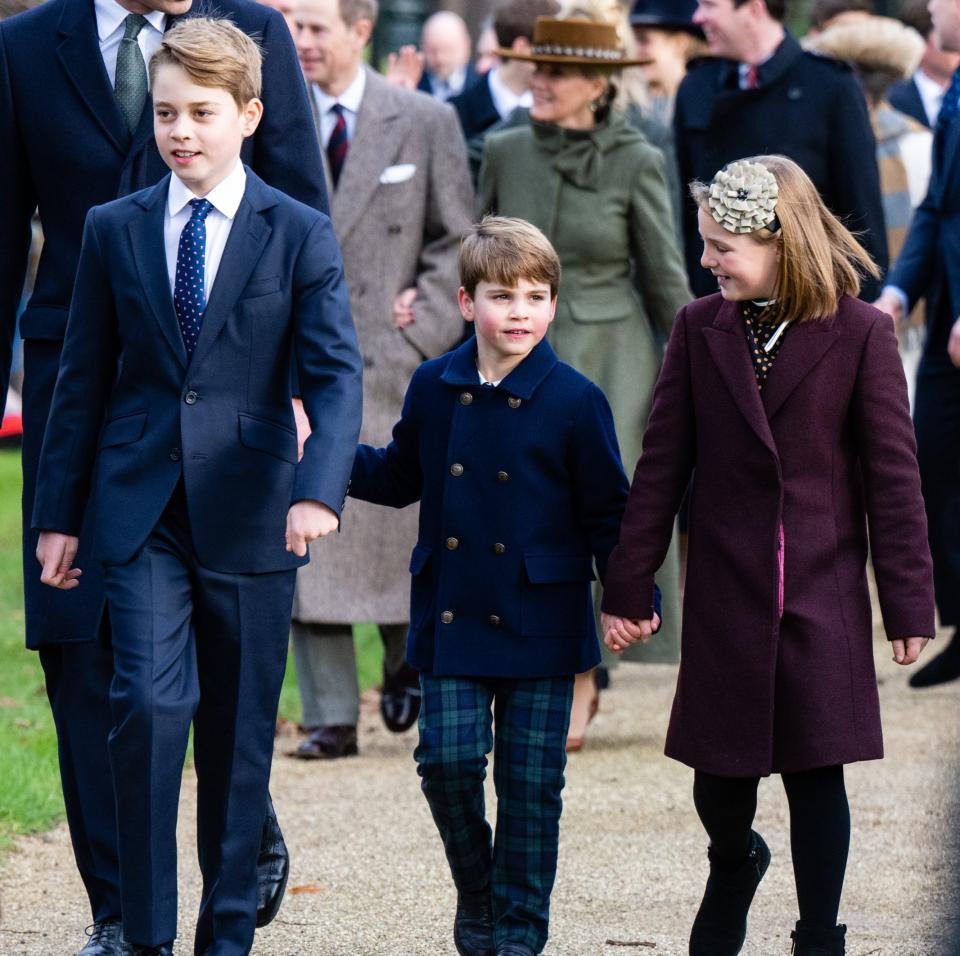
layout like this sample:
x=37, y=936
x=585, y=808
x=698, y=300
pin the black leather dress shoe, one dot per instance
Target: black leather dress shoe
x=473, y=924
x=328, y=743
x=273, y=868
x=105, y=939
x=515, y=949
x=943, y=668
x=133, y=949
x=400, y=700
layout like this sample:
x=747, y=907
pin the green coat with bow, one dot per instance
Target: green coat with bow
x=602, y=199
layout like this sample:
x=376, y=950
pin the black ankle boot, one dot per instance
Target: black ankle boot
x=721, y=924
x=473, y=924
x=814, y=941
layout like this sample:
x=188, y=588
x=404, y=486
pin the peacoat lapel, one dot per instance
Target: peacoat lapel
x=801, y=350
x=146, y=238
x=79, y=53
x=382, y=128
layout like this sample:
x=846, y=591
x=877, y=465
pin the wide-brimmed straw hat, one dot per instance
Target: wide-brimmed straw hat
x=574, y=41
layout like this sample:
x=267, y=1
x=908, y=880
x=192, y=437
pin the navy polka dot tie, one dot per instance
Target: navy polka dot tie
x=188, y=293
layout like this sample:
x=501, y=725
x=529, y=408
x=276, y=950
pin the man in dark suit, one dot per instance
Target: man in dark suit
x=761, y=93
x=446, y=48
x=74, y=137
x=927, y=267
x=922, y=95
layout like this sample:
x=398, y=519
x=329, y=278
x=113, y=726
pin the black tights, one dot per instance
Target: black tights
x=819, y=831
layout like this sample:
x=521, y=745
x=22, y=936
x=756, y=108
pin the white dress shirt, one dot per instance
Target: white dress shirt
x=505, y=101
x=450, y=87
x=350, y=99
x=110, y=16
x=225, y=198
x=931, y=95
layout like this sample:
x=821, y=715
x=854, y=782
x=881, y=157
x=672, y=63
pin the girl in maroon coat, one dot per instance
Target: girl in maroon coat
x=784, y=398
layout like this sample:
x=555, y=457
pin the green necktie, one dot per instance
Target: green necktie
x=130, y=85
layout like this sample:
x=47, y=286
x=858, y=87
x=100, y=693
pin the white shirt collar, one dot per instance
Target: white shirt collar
x=349, y=99
x=110, y=16
x=505, y=101
x=483, y=381
x=225, y=197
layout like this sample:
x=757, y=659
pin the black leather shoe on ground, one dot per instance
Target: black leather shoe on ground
x=515, y=949
x=132, y=949
x=400, y=700
x=473, y=924
x=943, y=668
x=105, y=939
x=328, y=743
x=273, y=868
x=811, y=941
x=720, y=927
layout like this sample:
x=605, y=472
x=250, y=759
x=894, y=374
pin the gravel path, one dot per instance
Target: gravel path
x=369, y=878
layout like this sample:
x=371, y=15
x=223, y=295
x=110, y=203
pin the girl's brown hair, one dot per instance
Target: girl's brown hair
x=820, y=259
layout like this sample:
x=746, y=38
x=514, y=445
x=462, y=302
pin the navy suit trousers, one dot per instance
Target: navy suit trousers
x=193, y=645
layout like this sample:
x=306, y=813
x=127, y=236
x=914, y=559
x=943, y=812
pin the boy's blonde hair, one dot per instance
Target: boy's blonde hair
x=820, y=259
x=503, y=250
x=215, y=53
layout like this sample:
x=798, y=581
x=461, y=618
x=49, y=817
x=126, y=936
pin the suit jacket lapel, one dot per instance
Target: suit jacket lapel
x=801, y=350
x=146, y=238
x=727, y=344
x=79, y=52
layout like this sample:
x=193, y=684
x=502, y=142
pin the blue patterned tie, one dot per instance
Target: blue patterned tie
x=189, y=298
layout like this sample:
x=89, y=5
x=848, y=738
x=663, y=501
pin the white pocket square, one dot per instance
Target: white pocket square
x=398, y=174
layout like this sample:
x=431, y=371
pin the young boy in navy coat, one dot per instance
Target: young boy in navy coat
x=174, y=403
x=514, y=459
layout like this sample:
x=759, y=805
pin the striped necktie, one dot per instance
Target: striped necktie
x=338, y=144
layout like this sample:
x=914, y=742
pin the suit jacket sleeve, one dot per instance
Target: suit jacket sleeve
x=891, y=483
x=16, y=207
x=88, y=365
x=856, y=177
x=914, y=269
x=659, y=483
x=286, y=152
x=448, y=216
x=329, y=369
x=392, y=476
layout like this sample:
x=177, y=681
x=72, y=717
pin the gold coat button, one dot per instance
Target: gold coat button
x=502, y=476
x=453, y=544
x=466, y=398
x=456, y=469
x=495, y=620
x=499, y=548
x=447, y=617
x=513, y=401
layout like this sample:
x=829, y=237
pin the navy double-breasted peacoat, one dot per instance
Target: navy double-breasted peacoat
x=521, y=490
x=776, y=670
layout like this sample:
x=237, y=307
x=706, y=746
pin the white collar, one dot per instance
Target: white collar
x=929, y=86
x=504, y=99
x=225, y=197
x=349, y=99
x=110, y=15
x=483, y=381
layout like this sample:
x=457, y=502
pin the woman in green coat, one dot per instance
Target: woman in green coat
x=597, y=188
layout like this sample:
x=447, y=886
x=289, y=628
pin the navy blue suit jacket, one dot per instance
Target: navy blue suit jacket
x=425, y=87
x=133, y=415
x=905, y=97
x=475, y=108
x=521, y=490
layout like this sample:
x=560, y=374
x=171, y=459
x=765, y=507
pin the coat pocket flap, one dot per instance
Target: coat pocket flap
x=123, y=430
x=602, y=306
x=271, y=437
x=419, y=558
x=557, y=568
x=256, y=288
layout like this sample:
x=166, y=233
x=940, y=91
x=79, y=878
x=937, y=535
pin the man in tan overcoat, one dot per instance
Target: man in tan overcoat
x=400, y=201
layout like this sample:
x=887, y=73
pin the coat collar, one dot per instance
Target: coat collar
x=522, y=382
x=784, y=58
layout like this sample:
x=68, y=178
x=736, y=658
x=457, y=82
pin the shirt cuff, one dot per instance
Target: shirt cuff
x=901, y=295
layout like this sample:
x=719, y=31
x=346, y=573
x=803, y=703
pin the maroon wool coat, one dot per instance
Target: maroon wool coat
x=776, y=671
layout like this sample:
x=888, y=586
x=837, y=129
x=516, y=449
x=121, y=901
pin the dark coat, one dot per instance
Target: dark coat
x=475, y=108
x=776, y=670
x=425, y=85
x=807, y=107
x=66, y=148
x=521, y=490
x=132, y=415
x=905, y=97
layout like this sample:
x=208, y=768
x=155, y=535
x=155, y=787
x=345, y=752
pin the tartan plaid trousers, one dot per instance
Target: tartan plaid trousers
x=457, y=716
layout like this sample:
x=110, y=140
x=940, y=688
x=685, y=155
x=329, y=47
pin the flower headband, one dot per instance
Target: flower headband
x=743, y=197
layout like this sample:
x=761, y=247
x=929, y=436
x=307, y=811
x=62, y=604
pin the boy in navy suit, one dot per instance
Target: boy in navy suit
x=513, y=457
x=173, y=411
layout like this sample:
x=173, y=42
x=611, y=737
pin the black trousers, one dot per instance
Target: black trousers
x=819, y=831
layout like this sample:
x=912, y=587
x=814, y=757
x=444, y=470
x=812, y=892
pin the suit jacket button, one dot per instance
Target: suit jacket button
x=466, y=398
x=456, y=469
x=453, y=544
x=513, y=401
x=495, y=620
x=174, y=454
x=499, y=548
x=447, y=617
x=191, y=397
x=502, y=476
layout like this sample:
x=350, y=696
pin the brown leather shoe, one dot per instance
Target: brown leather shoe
x=328, y=743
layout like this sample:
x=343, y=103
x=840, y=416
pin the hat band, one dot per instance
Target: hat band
x=585, y=52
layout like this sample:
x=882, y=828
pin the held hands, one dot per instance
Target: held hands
x=403, y=313
x=55, y=552
x=620, y=632
x=307, y=521
x=907, y=650
x=890, y=303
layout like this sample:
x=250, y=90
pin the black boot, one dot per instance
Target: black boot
x=813, y=941
x=473, y=924
x=943, y=668
x=721, y=923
